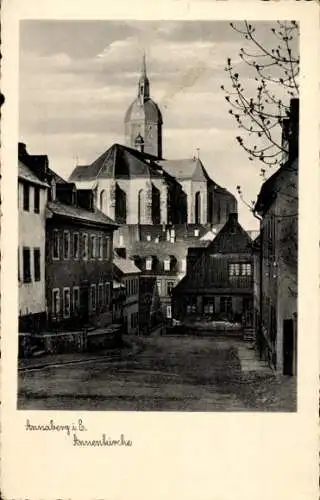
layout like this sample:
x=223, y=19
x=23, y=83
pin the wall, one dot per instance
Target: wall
x=78, y=272
x=32, y=235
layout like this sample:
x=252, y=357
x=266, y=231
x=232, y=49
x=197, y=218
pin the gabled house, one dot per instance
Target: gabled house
x=277, y=206
x=219, y=282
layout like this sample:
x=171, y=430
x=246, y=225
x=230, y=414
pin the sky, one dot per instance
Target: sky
x=77, y=79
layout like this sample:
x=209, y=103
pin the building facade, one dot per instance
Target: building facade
x=32, y=199
x=128, y=275
x=277, y=205
x=219, y=282
x=79, y=250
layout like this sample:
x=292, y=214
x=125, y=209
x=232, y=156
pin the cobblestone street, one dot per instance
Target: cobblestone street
x=166, y=374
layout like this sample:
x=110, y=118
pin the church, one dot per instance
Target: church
x=163, y=206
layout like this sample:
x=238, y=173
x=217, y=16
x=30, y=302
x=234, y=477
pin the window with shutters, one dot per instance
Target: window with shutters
x=56, y=245
x=76, y=246
x=66, y=245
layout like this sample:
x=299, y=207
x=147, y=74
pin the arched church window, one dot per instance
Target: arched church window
x=156, y=216
x=121, y=205
x=197, y=208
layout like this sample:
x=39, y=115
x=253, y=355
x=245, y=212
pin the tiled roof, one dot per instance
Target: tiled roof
x=269, y=188
x=74, y=212
x=27, y=175
x=186, y=169
x=118, y=162
x=126, y=266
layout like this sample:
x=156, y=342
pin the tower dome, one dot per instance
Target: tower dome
x=144, y=118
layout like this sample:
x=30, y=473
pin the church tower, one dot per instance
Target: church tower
x=143, y=119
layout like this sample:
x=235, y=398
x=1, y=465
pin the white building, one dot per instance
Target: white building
x=32, y=198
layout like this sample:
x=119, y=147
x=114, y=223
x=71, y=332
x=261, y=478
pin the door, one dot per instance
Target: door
x=288, y=346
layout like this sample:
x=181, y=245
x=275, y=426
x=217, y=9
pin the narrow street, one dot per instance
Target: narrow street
x=166, y=374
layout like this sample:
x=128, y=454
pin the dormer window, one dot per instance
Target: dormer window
x=196, y=233
x=149, y=263
x=148, y=237
x=156, y=240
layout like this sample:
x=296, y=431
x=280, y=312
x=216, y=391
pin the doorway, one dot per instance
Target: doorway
x=288, y=347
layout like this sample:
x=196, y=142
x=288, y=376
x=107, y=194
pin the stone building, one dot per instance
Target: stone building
x=218, y=284
x=169, y=204
x=277, y=205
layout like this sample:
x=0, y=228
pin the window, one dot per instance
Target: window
x=183, y=265
x=167, y=265
x=93, y=298
x=66, y=245
x=100, y=295
x=36, y=262
x=76, y=300
x=26, y=265
x=148, y=263
x=192, y=307
x=100, y=248
x=56, y=245
x=108, y=248
x=225, y=304
x=26, y=197
x=234, y=269
x=66, y=302
x=170, y=286
x=169, y=312
x=159, y=287
x=76, y=245
x=93, y=246
x=36, y=206
x=148, y=237
x=85, y=246
x=208, y=306
x=246, y=269
x=55, y=303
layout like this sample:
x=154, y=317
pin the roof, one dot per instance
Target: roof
x=186, y=169
x=147, y=110
x=126, y=266
x=232, y=238
x=118, y=162
x=26, y=174
x=268, y=190
x=80, y=214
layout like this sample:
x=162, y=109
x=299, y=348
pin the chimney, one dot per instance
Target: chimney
x=85, y=199
x=22, y=150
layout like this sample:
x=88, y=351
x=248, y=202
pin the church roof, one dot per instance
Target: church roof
x=186, y=169
x=118, y=162
x=148, y=110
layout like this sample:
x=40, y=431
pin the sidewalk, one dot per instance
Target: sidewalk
x=131, y=347
x=250, y=361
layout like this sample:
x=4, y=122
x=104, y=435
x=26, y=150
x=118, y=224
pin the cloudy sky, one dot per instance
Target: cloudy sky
x=78, y=78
